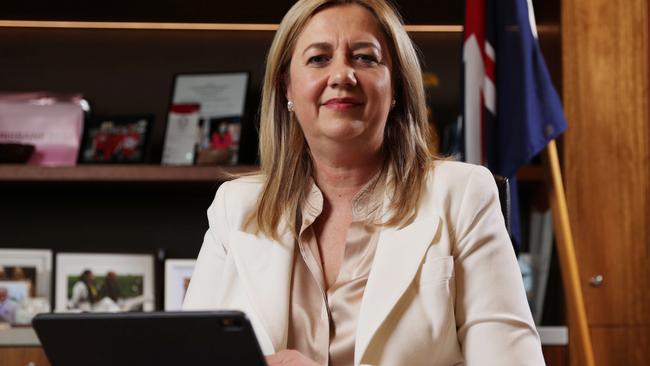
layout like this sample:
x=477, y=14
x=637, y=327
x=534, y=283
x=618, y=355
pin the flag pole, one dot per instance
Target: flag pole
x=566, y=252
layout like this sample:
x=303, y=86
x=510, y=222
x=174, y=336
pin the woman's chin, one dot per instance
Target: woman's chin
x=342, y=135
x=344, y=130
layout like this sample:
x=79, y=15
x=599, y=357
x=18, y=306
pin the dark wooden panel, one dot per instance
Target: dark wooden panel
x=106, y=217
x=415, y=12
x=257, y=11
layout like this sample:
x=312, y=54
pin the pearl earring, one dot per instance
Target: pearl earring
x=392, y=104
x=290, y=106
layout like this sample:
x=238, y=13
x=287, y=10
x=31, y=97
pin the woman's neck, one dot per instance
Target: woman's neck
x=341, y=178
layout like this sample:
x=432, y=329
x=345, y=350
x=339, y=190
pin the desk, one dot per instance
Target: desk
x=20, y=347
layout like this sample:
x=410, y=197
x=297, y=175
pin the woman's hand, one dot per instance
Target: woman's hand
x=289, y=357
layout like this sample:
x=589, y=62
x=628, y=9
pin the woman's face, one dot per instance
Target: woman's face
x=340, y=77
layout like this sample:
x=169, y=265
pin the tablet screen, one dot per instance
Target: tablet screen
x=152, y=338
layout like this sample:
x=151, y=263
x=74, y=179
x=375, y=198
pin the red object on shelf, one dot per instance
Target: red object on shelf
x=183, y=108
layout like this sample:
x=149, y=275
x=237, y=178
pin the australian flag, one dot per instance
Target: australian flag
x=511, y=109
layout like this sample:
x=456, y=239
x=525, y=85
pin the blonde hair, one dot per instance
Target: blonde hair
x=284, y=154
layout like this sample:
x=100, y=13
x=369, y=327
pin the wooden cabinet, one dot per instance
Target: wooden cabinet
x=607, y=169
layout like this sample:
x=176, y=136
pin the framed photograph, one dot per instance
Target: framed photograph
x=25, y=281
x=32, y=265
x=12, y=295
x=204, y=122
x=178, y=273
x=104, y=282
x=116, y=139
x=17, y=290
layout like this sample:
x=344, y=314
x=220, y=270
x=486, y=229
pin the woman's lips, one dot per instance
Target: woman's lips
x=341, y=104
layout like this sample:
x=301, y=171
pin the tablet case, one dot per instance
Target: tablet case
x=151, y=338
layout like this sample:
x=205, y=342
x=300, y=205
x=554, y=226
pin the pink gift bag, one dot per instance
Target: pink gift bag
x=52, y=123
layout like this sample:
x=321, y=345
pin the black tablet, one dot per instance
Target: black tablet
x=154, y=338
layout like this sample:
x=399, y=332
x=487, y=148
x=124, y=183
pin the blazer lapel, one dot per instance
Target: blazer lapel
x=397, y=259
x=265, y=266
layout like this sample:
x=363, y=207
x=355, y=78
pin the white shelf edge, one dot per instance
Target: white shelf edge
x=20, y=337
x=554, y=335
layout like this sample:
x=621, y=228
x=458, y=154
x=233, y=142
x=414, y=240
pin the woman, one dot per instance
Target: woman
x=354, y=245
x=84, y=292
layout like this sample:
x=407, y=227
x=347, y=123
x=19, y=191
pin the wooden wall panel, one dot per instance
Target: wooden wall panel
x=621, y=345
x=607, y=170
x=556, y=355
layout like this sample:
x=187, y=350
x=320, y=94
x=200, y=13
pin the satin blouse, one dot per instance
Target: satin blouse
x=322, y=321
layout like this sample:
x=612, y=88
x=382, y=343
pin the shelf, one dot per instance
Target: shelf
x=120, y=173
x=158, y=173
x=21, y=336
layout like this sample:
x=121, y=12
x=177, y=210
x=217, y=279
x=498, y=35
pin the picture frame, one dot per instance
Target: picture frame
x=26, y=277
x=13, y=294
x=36, y=265
x=205, y=117
x=178, y=273
x=119, y=139
x=17, y=291
x=104, y=282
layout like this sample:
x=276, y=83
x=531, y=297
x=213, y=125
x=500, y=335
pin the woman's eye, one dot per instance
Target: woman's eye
x=318, y=59
x=366, y=58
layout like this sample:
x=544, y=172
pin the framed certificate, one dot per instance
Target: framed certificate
x=204, y=122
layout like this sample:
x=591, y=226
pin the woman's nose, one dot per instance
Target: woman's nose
x=342, y=75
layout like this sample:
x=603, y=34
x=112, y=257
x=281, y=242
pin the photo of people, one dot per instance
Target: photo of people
x=8, y=306
x=115, y=140
x=25, y=275
x=104, y=282
x=17, y=286
x=107, y=292
x=20, y=273
x=219, y=141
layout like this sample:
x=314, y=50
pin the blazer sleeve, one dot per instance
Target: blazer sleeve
x=203, y=292
x=493, y=319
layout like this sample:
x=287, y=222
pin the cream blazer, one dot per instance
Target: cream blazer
x=444, y=290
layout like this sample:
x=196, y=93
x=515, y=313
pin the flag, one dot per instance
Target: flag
x=510, y=107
